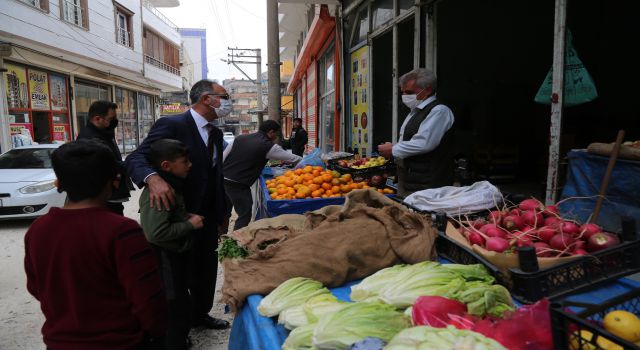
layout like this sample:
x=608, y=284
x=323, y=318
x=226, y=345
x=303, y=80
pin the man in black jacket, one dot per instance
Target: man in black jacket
x=101, y=126
x=299, y=137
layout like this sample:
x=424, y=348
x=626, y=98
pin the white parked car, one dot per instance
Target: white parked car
x=27, y=188
x=228, y=136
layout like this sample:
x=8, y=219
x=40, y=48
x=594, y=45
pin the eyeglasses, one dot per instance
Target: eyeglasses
x=222, y=96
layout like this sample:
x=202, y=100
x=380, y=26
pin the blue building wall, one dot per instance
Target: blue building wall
x=202, y=34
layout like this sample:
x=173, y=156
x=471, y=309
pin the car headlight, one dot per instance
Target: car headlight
x=38, y=187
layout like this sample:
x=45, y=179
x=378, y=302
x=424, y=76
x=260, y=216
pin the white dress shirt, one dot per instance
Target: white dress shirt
x=201, y=123
x=430, y=133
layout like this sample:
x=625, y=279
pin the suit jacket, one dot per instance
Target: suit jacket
x=91, y=132
x=204, y=188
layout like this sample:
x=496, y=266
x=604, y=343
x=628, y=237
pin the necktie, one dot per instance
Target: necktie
x=210, y=140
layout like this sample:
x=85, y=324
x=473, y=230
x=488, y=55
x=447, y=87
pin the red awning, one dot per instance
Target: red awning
x=320, y=29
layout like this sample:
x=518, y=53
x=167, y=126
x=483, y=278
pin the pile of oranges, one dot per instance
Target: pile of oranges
x=313, y=182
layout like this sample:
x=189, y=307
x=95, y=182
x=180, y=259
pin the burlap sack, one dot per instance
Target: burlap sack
x=605, y=149
x=502, y=261
x=370, y=233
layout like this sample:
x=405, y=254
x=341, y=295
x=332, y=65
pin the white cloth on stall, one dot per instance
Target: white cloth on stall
x=453, y=201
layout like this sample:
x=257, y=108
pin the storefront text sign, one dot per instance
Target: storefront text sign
x=359, y=101
x=38, y=89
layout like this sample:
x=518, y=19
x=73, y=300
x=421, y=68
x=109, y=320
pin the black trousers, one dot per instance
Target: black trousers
x=174, y=268
x=240, y=197
x=203, y=268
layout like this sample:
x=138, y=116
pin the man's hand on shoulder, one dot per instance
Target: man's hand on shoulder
x=161, y=194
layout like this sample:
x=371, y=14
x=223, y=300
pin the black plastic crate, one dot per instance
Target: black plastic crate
x=388, y=168
x=567, y=323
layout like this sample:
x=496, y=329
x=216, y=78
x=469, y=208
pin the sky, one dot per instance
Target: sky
x=229, y=23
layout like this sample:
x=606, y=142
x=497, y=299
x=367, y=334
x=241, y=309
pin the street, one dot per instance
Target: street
x=20, y=315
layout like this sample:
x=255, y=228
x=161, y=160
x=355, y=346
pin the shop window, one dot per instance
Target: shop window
x=360, y=27
x=405, y=6
x=87, y=93
x=127, y=130
x=123, y=26
x=147, y=114
x=327, y=100
x=39, y=4
x=382, y=12
x=75, y=12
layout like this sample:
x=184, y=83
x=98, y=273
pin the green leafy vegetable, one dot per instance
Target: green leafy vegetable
x=292, y=292
x=372, y=285
x=482, y=299
x=293, y=317
x=300, y=338
x=321, y=305
x=229, y=248
x=449, y=338
x=357, y=321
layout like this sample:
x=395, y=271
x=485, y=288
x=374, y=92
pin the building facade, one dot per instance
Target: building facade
x=59, y=56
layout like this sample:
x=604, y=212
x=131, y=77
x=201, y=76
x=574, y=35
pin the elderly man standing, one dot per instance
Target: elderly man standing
x=203, y=190
x=424, y=149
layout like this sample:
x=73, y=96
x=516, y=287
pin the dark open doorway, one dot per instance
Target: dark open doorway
x=41, y=127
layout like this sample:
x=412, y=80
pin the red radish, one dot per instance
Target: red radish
x=484, y=228
x=602, y=240
x=524, y=241
x=550, y=210
x=545, y=233
x=579, y=244
x=512, y=222
x=532, y=218
x=496, y=232
x=497, y=244
x=569, y=227
x=589, y=230
x=542, y=249
x=495, y=217
x=561, y=241
x=530, y=204
x=515, y=211
x=476, y=238
x=579, y=251
x=478, y=223
x=552, y=221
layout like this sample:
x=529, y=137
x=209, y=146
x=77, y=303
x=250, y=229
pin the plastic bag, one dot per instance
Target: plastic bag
x=527, y=328
x=312, y=159
x=457, y=200
x=579, y=87
x=439, y=312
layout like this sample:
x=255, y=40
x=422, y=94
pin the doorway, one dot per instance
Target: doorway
x=405, y=60
x=41, y=127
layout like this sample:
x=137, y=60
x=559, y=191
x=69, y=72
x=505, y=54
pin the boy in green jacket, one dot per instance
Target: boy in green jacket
x=169, y=234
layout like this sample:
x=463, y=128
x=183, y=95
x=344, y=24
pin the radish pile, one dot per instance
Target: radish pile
x=533, y=224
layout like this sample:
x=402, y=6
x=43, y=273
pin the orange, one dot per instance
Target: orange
x=298, y=171
x=300, y=195
x=325, y=196
x=353, y=186
x=326, y=186
x=314, y=187
x=282, y=190
x=291, y=191
x=289, y=183
x=321, y=190
x=380, y=190
x=345, y=188
x=317, y=167
x=327, y=177
x=335, y=189
x=288, y=173
x=316, y=172
x=335, y=182
x=307, y=177
x=328, y=193
x=335, y=173
x=316, y=194
x=318, y=180
x=273, y=195
x=388, y=191
x=307, y=169
x=346, y=177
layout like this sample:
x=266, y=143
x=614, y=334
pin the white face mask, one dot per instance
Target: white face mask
x=411, y=101
x=225, y=108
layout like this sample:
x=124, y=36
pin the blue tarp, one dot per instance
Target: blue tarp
x=584, y=177
x=252, y=331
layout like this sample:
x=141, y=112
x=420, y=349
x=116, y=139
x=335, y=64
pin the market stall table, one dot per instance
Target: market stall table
x=252, y=331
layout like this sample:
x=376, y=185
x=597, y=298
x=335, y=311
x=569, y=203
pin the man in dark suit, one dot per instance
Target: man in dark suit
x=101, y=126
x=204, y=187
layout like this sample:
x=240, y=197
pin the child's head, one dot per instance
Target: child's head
x=171, y=156
x=85, y=169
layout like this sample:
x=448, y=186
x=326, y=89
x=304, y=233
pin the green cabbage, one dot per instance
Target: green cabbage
x=371, y=286
x=293, y=317
x=292, y=292
x=449, y=338
x=300, y=338
x=357, y=321
x=321, y=305
x=476, y=272
x=482, y=299
x=419, y=281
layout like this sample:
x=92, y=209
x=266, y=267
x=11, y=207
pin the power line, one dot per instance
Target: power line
x=233, y=36
x=217, y=21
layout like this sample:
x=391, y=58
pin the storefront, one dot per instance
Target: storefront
x=38, y=105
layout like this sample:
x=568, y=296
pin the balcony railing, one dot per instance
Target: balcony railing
x=72, y=12
x=123, y=37
x=34, y=3
x=154, y=62
x=158, y=14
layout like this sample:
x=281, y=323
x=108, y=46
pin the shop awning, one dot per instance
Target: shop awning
x=320, y=29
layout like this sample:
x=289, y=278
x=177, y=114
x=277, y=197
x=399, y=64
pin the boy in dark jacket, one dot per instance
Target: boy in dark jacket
x=93, y=272
x=169, y=232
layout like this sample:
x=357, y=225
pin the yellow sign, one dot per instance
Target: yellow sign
x=39, y=89
x=16, y=86
x=16, y=129
x=174, y=108
x=58, y=128
x=359, y=118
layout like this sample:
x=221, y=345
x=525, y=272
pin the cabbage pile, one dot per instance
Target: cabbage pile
x=449, y=338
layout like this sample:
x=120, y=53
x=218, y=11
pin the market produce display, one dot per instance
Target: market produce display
x=401, y=285
x=363, y=163
x=450, y=338
x=620, y=323
x=533, y=224
x=292, y=292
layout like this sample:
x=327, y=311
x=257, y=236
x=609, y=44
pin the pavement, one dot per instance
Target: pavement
x=20, y=315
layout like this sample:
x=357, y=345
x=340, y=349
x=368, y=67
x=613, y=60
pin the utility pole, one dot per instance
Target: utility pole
x=273, y=59
x=241, y=53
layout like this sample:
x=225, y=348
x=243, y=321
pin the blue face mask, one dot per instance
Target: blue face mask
x=225, y=108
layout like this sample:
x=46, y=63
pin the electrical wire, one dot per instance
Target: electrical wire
x=233, y=35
